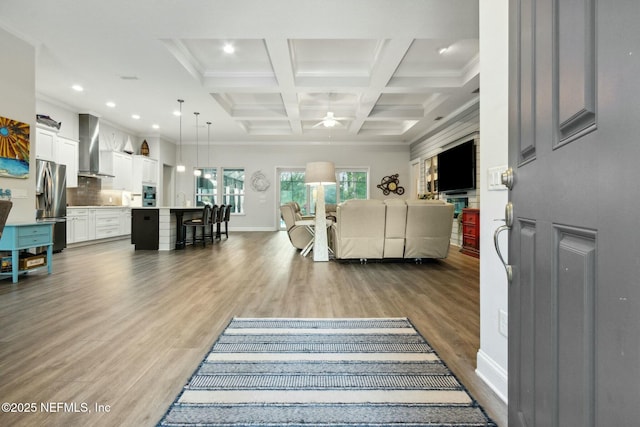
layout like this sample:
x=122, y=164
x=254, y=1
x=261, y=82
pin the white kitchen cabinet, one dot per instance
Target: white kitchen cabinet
x=150, y=171
x=145, y=172
x=107, y=223
x=125, y=221
x=77, y=225
x=67, y=154
x=120, y=165
x=91, y=224
x=124, y=171
x=46, y=144
x=95, y=223
x=53, y=147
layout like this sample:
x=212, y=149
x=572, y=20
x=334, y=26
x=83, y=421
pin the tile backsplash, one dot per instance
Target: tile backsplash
x=90, y=193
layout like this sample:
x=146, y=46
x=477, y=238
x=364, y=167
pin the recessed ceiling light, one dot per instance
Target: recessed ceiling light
x=111, y=104
x=228, y=48
x=155, y=126
x=135, y=116
x=77, y=88
x=442, y=50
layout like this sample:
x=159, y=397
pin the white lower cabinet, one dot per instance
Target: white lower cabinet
x=91, y=224
x=125, y=221
x=77, y=225
x=86, y=224
x=107, y=223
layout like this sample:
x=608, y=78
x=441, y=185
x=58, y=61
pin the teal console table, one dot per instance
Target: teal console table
x=20, y=236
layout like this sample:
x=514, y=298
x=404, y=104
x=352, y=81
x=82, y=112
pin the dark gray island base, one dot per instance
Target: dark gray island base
x=160, y=228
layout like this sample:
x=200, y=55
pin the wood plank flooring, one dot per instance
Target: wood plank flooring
x=126, y=329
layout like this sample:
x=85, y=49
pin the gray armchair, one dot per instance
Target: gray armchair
x=299, y=235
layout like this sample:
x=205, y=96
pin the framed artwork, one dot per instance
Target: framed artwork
x=14, y=149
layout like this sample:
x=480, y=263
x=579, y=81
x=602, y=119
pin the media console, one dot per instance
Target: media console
x=471, y=232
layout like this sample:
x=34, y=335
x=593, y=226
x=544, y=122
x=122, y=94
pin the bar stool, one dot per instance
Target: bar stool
x=227, y=215
x=199, y=223
x=219, y=219
x=215, y=212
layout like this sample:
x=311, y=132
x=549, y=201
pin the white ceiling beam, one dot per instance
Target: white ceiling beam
x=381, y=72
x=280, y=55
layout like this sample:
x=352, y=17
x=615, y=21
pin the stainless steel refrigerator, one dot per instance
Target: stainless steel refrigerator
x=51, y=199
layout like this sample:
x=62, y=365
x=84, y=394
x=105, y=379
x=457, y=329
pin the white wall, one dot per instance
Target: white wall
x=261, y=210
x=492, y=356
x=60, y=113
x=17, y=89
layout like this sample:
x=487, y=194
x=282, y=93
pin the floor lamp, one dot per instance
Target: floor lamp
x=320, y=173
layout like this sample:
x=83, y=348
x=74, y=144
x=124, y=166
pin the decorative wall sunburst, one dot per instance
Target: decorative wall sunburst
x=259, y=181
x=14, y=148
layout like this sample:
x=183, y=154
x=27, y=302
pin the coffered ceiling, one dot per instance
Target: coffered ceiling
x=377, y=65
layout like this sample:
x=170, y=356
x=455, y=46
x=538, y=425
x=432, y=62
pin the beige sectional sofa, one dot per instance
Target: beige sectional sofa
x=394, y=228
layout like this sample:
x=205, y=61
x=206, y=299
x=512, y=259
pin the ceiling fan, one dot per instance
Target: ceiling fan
x=329, y=121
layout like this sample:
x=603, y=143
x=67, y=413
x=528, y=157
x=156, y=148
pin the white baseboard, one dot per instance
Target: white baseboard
x=493, y=375
x=231, y=229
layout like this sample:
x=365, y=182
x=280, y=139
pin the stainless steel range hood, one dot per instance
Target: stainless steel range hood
x=89, y=147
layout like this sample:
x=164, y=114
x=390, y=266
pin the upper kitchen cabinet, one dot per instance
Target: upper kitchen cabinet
x=120, y=165
x=53, y=147
x=145, y=172
x=67, y=154
x=46, y=144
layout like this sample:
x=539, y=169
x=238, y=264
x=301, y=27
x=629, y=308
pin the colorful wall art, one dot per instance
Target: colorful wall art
x=14, y=149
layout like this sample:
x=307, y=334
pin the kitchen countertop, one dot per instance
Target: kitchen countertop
x=199, y=208
x=97, y=207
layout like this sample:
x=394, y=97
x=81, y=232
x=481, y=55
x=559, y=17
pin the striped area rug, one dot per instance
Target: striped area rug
x=323, y=372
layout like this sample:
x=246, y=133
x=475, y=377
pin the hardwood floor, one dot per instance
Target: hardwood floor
x=124, y=328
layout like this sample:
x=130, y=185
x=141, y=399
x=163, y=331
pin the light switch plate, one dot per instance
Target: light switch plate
x=494, y=178
x=19, y=193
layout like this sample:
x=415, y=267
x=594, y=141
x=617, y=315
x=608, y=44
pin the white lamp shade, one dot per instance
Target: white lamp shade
x=320, y=173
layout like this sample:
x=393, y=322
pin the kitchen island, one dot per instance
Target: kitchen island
x=154, y=228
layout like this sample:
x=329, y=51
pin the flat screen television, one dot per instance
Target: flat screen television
x=457, y=168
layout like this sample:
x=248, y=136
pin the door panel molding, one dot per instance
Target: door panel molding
x=526, y=87
x=574, y=69
x=574, y=267
x=526, y=313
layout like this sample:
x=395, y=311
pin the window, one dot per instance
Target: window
x=207, y=188
x=352, y=184
x=229, y=192
x=233, y=189
x=293, y=188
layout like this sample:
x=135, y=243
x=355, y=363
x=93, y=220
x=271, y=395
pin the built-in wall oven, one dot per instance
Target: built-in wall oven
x=148, y=195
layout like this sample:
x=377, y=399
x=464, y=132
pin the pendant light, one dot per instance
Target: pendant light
x=197, y=171
x=208, y=174
x=180, y=167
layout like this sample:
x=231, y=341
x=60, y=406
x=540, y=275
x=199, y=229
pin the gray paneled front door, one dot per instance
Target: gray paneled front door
x=574, y=301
